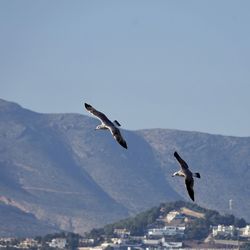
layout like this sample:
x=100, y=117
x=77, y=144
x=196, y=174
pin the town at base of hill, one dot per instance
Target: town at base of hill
x=175, y=225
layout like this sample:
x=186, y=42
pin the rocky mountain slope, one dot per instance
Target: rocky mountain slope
x=16, y=222
x=57, y=169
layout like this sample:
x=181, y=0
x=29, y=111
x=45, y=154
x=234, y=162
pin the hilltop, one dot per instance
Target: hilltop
x=174, y=225
x=198, y=221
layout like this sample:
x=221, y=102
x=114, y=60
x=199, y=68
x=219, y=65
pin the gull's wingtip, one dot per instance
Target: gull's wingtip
x=191, y=195
x=117, y=123
x=87, y=105
x=124, y=145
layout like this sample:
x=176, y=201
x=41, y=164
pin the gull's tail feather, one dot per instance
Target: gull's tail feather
x=197, y=175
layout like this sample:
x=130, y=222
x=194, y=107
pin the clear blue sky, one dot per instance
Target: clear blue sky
x=149, y=64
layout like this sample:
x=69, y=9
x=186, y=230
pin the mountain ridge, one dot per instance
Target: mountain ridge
x=74, y=178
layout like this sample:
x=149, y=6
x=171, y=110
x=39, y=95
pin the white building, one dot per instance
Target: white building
x=150, y=242
x=28, y=243
x=246, y=231
x=118, y=241
x=222, y=230
x=163, y=243
x=86, y=241
x=167, y=230
x=58, y=243
x=122, y=232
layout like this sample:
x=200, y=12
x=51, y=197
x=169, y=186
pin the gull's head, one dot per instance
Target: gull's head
x=97, y=127
x=100, y=126
x=174, y=174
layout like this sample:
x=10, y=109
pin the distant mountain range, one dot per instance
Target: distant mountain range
x=58, y=173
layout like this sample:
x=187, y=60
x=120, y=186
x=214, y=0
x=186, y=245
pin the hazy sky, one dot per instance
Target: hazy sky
x=148, y=64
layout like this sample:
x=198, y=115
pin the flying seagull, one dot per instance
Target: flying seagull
x=185, y=172
x=107, y=124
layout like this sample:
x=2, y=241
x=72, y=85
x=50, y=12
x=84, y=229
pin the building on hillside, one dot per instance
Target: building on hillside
x=167, y=231
x=28, y=243
x=152, y=241
x=245, y=231
x=160, y=244
x=86, y=241
x=6, y=240
x=58, y=243
x=224, y=231
x=122, y=232
x=118, y=241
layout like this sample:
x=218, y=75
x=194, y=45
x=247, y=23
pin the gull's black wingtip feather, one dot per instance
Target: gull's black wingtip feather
x=191, y=195
x=117, y=123
x=176, y=154
x=124, y=144
x=87, y=105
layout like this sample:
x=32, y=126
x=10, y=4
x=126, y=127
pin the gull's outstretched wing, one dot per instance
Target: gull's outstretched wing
x=190, y=185
x=183, y=164
x=118, y=137
x=117, y=123
x=96, y=113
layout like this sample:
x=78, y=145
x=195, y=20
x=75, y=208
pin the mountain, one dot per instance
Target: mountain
x=57, y=169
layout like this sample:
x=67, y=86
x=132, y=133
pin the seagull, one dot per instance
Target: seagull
x=185, y=172
x=107, y=124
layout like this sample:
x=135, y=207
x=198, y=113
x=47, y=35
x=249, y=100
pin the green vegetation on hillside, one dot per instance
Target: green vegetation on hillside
x=136, y=225
x=198, y=228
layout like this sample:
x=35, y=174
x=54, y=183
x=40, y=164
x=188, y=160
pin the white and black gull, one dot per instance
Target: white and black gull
x=187, y=174
x=107, y=124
